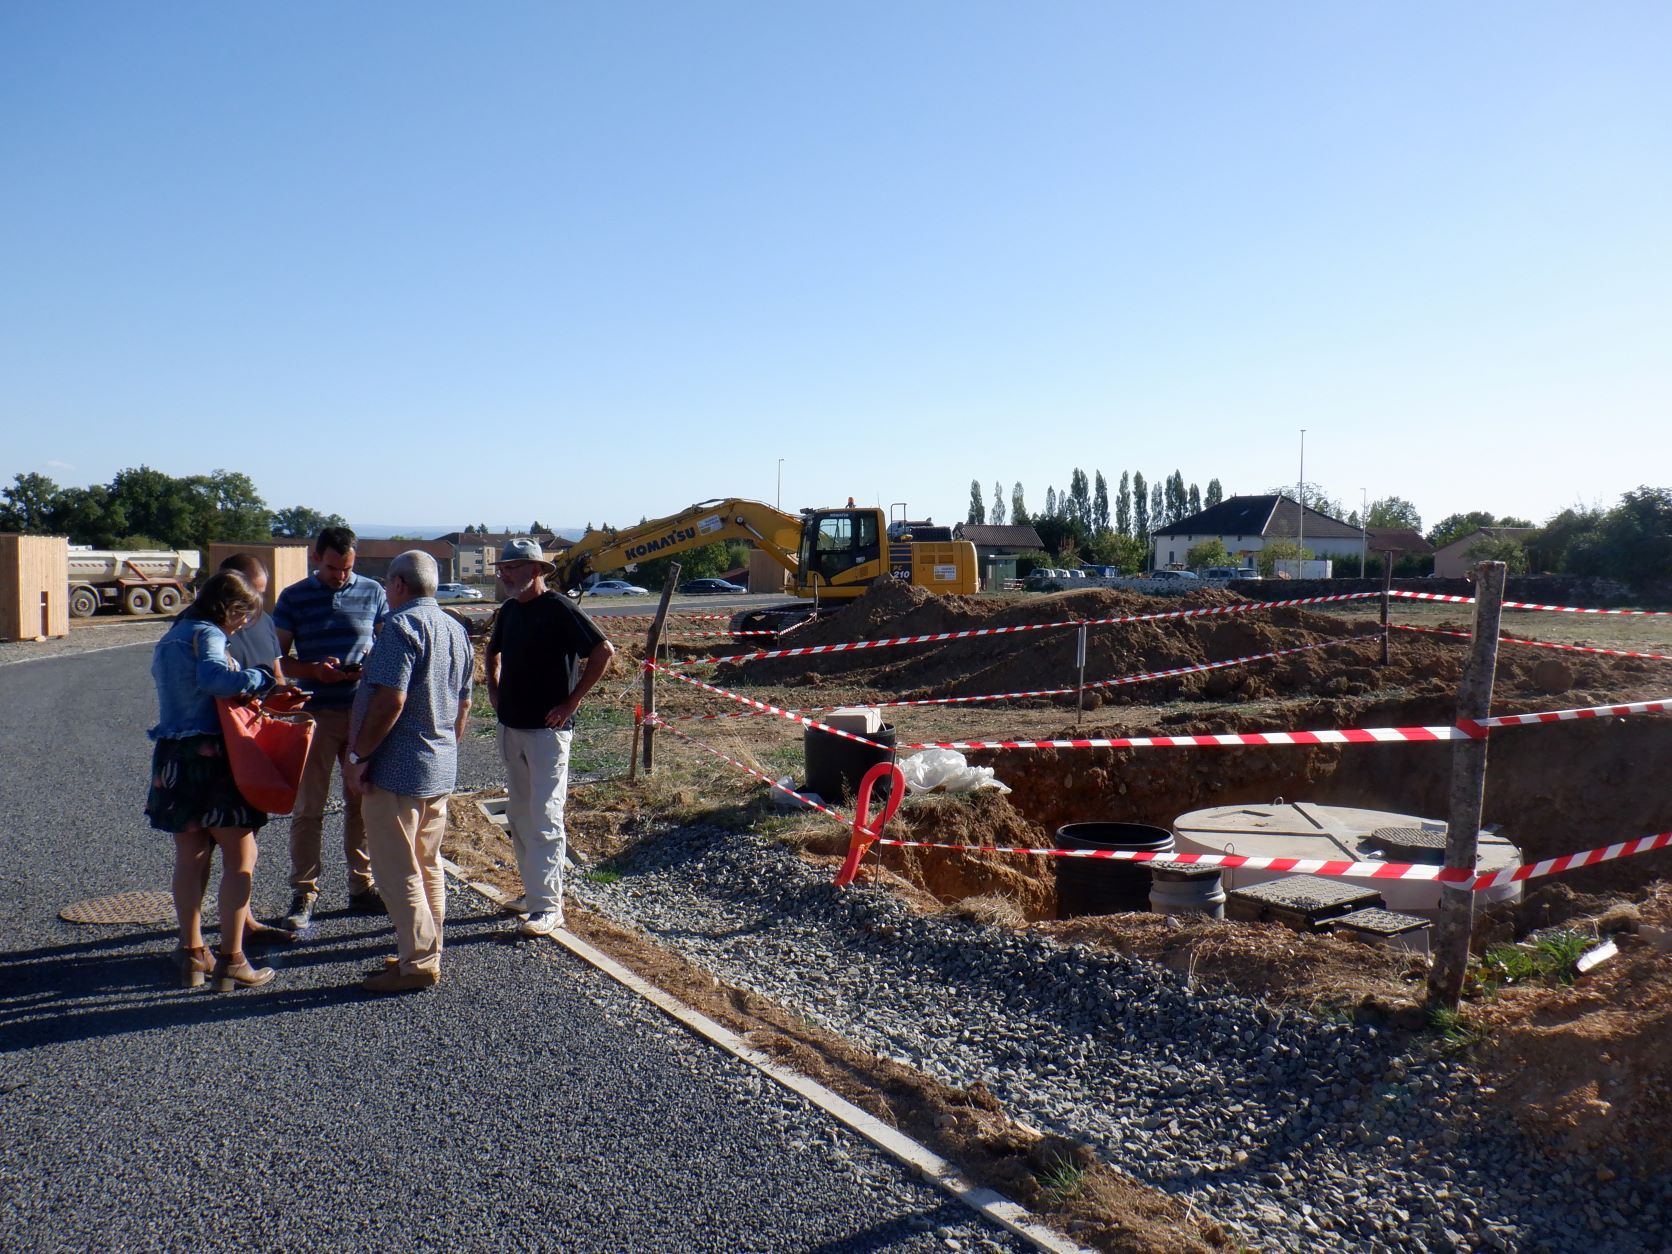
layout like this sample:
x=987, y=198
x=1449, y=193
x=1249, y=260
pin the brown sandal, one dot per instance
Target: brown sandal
x=191, y=965
x=234, y=971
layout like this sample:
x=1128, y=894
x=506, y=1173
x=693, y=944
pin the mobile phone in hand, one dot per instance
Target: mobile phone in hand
x=350, y=668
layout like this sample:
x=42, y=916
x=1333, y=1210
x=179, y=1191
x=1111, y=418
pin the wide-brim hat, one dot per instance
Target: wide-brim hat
x=525, y=551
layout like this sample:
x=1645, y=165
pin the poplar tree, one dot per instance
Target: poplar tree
x=978, y=511
x=1123, y=505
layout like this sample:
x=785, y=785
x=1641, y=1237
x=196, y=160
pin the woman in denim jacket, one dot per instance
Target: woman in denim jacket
x=193, y=794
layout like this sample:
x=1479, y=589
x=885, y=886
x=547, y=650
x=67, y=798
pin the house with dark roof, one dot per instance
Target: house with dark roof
x=1245, y=525
x=996, y=548
x=998, y=539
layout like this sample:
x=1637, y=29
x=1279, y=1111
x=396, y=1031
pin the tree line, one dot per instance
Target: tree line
x=1084, y=523
x=142, y=508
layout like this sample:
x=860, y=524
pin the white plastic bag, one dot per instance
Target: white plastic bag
x=945, y=770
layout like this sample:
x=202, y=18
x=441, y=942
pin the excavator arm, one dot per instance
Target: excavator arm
x=707, y=522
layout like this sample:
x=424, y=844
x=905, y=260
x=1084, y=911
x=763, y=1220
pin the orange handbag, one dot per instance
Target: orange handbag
x=266, y=753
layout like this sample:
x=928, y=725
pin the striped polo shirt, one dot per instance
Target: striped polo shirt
x=325, y=622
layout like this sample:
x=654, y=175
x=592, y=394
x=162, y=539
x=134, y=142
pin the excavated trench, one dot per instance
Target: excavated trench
x=1551, y=789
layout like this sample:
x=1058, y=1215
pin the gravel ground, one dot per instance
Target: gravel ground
x=527, y=1103
x=1301, y=1133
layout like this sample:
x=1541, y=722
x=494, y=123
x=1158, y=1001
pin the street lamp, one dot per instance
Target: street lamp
x=1364, y=529
x=780, y=484
x=1300, y=491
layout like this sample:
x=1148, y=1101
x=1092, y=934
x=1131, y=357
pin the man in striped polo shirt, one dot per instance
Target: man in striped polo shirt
x=330, y=620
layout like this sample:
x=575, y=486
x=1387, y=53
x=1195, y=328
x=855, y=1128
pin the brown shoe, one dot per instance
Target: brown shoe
x=191, y=965
x=234, y=971
x=395, y=980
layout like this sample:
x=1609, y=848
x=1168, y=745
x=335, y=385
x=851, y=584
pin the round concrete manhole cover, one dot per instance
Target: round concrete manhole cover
x=122, y=908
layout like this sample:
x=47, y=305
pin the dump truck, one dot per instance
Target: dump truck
x=833, y=555
x=134, y=581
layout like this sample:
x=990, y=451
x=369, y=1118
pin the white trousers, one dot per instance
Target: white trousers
x=537, y=783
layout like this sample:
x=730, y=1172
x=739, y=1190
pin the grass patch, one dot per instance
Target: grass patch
x=1456, y=1030
x=602, y=875
x=1547, y=960
x=1062, y=1180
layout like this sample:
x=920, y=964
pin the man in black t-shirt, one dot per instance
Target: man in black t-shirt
x=543, y=657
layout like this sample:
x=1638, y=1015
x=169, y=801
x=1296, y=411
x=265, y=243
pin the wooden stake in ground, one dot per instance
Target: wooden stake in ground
x=652, y=638
x=1387, y=597
x=1468, y=792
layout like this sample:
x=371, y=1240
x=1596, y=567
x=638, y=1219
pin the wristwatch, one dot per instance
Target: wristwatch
x=354, y=759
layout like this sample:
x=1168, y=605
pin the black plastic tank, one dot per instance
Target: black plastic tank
x=835, y=764
x=1106, y=885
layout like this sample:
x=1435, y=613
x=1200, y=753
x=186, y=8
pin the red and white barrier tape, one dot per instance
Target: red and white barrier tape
x=1466, y=880
x=1342, y=736
x=762, y=706
x=744, y=766
x=1539, y=644
x=850, y=646
x=1525, y=605
x=1242, y=607
x=1043, y=692
x=650, y=618
x=1589, y=711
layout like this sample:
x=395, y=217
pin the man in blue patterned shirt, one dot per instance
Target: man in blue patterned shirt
x=404, y=734
x=330, y=619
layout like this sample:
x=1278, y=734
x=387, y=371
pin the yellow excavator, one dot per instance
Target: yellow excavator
x=834, y=555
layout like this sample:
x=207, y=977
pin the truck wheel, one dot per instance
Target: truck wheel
x=84, y=603
x=166, y=601
x=136, y=601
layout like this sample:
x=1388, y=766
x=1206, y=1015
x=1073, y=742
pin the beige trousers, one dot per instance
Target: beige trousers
x=326, y=755
x=404, y=835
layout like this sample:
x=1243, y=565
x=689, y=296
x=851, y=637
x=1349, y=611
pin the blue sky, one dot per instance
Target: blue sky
x=446, y=264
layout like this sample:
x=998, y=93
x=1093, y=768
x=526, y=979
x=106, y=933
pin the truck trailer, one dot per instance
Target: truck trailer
x=133, y=581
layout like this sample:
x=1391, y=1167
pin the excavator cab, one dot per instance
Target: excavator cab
x=836, y=543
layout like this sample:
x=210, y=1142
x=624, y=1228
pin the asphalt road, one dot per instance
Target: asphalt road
x=525, y=1104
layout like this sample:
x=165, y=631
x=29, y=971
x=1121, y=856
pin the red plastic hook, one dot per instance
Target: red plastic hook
x=864, y=832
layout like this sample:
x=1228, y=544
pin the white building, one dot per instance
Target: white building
x=1245, y=525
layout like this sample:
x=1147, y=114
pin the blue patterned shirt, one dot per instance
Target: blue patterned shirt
x=325, y=622
x=427, y=655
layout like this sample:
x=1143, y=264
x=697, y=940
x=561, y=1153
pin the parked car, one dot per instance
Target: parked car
x=1172, y=574
x=616, y=588
x=457, y=592
x=1042, y=579
x=1222, y=572
x=697, y=587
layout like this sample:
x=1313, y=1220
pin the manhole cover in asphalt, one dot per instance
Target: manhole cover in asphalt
x=122, y=908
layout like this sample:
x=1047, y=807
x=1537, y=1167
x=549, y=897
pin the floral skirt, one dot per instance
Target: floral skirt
x=192, y=786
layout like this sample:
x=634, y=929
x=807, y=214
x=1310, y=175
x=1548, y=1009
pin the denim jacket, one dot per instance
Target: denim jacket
x=190, y=668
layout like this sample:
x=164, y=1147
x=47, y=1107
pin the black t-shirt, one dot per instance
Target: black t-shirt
x=542, y=646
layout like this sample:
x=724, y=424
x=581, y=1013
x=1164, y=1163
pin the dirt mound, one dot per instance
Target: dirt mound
x=1344, y=662
x=1586, y=1068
